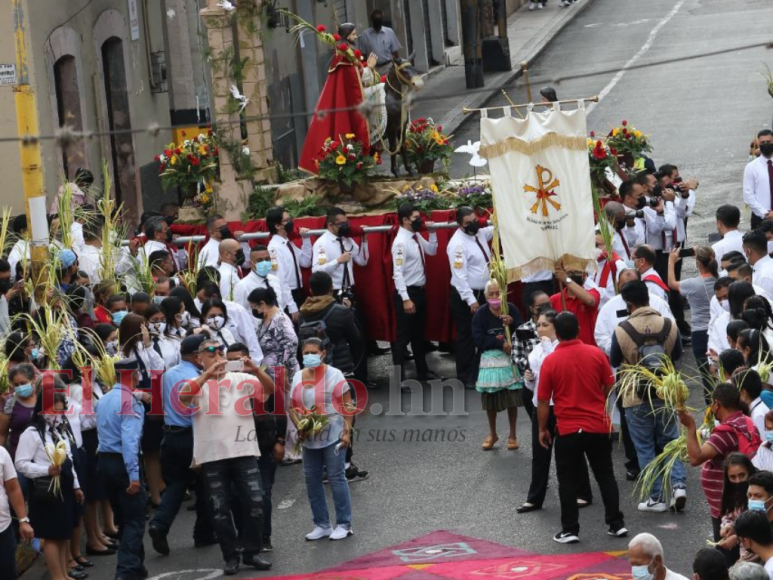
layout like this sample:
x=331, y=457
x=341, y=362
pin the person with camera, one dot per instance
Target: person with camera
x=646, y=339
x=699, y=292
x=409, y=251
x=635, y=230
x=758, y=180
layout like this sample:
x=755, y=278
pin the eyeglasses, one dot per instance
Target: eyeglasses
x=213, y=349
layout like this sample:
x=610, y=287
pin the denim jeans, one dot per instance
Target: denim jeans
x=314, y=462
x=240, y=475
x=176, y=458
x=648, y=429
x=129, y=512
x=267, y=467
x=8, y=554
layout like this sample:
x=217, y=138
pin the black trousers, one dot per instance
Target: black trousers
x=298, y=297
x=571, y=450
x=410, y=330
x=674, y=298
x=527, y=289
x=540, y=465
x=466, y=353
x=631, y=457
x=756, y=222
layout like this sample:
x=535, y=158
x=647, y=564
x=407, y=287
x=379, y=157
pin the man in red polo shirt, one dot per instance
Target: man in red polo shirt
x=578, y=378
x=581, y=297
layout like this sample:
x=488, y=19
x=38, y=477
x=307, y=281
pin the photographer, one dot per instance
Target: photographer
x=625, y=233
x=632, y=196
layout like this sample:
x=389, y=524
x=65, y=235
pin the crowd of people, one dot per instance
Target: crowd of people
x=91, y=465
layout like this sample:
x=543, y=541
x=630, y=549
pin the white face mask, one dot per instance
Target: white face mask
x=725, y=304
x=53, y=420
x=157, y=327
x=111, y=347
x=185, y=318
x=216, y=322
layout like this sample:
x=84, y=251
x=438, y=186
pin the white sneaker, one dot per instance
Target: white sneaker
x=652, y=505
x=540, y=6
x=680, y=499
x=318, y=533
x=532, y=5
x=340, y=533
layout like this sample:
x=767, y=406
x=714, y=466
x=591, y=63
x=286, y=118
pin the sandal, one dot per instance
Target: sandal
x=488, y=442
x=512, y=444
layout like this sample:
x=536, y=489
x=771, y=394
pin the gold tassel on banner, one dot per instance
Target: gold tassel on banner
x=529, y=148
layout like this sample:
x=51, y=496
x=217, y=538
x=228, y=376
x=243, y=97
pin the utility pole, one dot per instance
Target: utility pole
x=31, y=159
x=472, y=43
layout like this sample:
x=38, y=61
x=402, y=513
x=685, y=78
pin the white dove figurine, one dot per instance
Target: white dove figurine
x=471, y=148
x=239, y=97
x=478, y=161
x=226, y=5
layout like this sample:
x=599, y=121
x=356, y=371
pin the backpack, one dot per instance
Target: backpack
x=748, y=441
x=651, y=350
x=318, y=329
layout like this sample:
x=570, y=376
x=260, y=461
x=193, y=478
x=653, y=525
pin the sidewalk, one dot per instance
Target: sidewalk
x=530, y=32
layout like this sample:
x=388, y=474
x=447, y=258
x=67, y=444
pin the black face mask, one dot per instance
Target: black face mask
x=620, y=224
x=416, y=225
x=577, y=279
x=472, y=228
x=5, y=285
x=169, y=235
x=257, y=314
x=289, y=227
x=642, y=203
x=766, y=148
x=344, y=230
x=378, y=23
x=169, y=220
x=225, y=233
x=239, y=257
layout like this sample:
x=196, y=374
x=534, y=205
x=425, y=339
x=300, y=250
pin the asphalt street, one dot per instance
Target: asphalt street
x=701, y=115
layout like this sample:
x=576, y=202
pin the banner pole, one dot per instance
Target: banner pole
x=593, y=99
x=561, y=287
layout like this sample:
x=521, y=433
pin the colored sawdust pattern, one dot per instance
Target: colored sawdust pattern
x=443, y=555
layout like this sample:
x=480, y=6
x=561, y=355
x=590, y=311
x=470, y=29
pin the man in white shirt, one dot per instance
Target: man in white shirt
x=758, y=180
x=90, y=259
x=335, y=251
x=750, y=387
x=645, y=553
x=743, y=272
x=607, y=271
x=728, y=218
x=615, y=311
x=218, y=230
x=634, y=202
x=753, y=531
x=409, y=252
x=644, y=261
x=755, y=246
x=469, y=256
x=260, y=276
x=158, y=234
x=171, y=213
x=231, y=254
x=615, y=213
x=222, y=446
x=287, y=259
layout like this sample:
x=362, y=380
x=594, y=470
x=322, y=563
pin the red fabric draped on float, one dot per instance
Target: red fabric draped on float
x=374, y=286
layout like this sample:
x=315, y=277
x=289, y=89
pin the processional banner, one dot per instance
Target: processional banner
x=540, y=178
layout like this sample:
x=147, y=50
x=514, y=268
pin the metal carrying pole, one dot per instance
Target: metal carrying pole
x=594, y=99
x=181, y=241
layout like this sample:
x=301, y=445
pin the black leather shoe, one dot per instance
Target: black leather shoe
x=77, y=575
x=92, y=552
x=528, y=507
x=231, y=567
x=204, y=542
x=431, y=376
x=160, y=544
x=257, y=562
x=632, y=474
x=83, y=562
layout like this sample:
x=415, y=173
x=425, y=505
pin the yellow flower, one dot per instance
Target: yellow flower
x=615, y=132
x=350, y=135
x=174, y=160
x=435, y=135
x=434, y=188
x=591, y=143
x=340, y=160
x=637, y=134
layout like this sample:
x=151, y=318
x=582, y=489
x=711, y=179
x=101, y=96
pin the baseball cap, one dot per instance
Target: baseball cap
x=191, y=344
x=67, y=258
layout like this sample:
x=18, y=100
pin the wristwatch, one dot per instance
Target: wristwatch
x=24, y=520
x=568, y=281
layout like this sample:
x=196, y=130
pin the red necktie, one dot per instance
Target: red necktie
x=625, y=245
x=421, y=252
x=770, y=180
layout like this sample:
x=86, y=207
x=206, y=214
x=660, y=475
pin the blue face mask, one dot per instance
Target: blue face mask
x=757, y=505
x=263, y=269
x=119, y=316
x=23, y=391
x=769, y=436
x=312, y=361
x=34, y=354
x=158, y=299
x=641, y=572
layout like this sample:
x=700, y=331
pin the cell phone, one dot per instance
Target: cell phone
x=687, y=253
x=234, y=366
x=715, y=237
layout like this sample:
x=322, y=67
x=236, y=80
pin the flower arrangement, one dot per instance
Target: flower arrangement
x=601, y=157
x=190, y=163
x=344, y=160
x=426, y=143
x=628, y=140
x=310, y=423
x=475, y=195
x=424, y=199
x=206, y=199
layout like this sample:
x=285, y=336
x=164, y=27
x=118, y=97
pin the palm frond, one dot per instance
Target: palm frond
x=667, y=383
x=51, y=328
x=5, y=221
x=66, y=214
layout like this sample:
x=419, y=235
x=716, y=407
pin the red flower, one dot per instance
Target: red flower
x=352, y=156
x=359, y=165
x=215, y=152
x=378, y=161
x=178, y=151
x=162, y=168
x=358, y=53
x=337, y=37
x=157, y=158
x=343, y=47
x=209, y=133
x=189, y=157
x=599, y=153
x=383, y=78
x=613, y=151
x=625, y=131
x=321, y=28
x=167, y=152
x=195, y=162
x=183, y=133
x=625, y=123
x=592, y=134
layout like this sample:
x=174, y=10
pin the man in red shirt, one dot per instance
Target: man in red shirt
x=581, y=297
x=578, y=378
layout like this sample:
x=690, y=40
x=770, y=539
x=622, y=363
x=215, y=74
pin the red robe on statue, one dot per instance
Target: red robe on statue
x=342, y=89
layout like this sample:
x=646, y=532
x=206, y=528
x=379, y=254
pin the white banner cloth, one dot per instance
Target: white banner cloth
x=540, y=178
